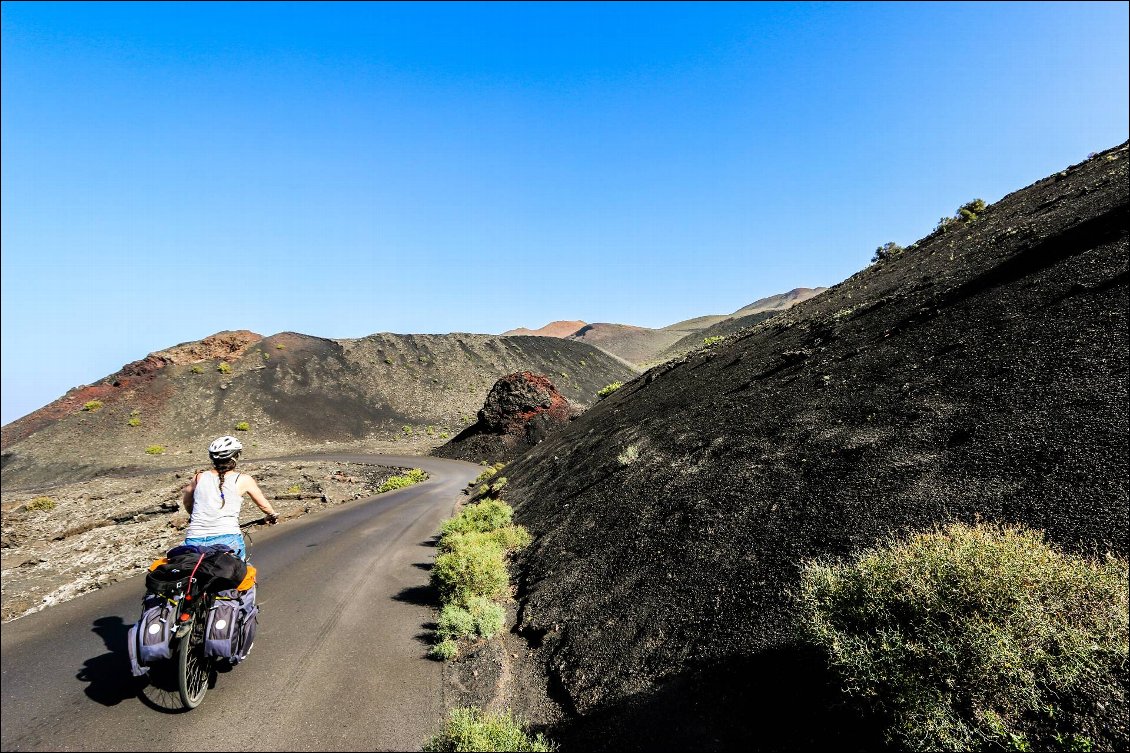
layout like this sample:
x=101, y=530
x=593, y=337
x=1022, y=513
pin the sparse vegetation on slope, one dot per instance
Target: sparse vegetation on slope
x=470, y=571
x=41, y=504
x=608, y=389
x=471, y=729
x=977, y=636
x=414, y=476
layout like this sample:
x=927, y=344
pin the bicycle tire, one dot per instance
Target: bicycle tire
x=193, y=668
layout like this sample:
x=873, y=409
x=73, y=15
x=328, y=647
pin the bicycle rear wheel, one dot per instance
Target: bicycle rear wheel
x=193, y=668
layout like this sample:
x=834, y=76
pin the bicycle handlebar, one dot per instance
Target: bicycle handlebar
x=265, y=520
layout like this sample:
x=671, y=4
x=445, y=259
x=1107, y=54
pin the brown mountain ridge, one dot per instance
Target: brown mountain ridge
x=296, y=393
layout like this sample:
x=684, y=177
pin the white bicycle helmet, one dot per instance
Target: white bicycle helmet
x=224, y=448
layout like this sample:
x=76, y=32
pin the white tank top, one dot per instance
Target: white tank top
x=211, y=514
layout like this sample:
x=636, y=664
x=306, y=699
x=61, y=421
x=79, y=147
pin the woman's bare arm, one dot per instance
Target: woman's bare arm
x=257, y=496
x=186, y=494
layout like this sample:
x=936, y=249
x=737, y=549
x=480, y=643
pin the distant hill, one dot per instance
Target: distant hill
x=639, y=345
x=644, y=346
x=979, y=375
x=295, y=392
x=553, y=329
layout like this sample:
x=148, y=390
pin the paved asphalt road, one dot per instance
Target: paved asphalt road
x=339, y=660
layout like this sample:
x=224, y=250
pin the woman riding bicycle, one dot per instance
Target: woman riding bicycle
x=214, y=497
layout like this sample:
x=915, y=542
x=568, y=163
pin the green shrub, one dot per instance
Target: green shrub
x=243, y=426
x=280, y=346
x=608, y=389
x=388, y=361
x=971, y=211
x=478, y=617
x=966, y=213
x=974, y=637
x=224, y=367
x=445, y=650
x=630, y=455
x=488, y=617
x=474, y=567
x=92, y=406
x=266, y=356
x=134, y=421
x=293, y=489
x=197, y=369
x=430, y=431
x=887, y=251
x=444, y=435
x=481, y=517
x=414, y=476
x=455, y=622
x=512, y=538
x=155, y=449
x=497, y=485
x=41, y=504
x=484, y=476
x=470, y=729
x=713, y=340
x=406, y=429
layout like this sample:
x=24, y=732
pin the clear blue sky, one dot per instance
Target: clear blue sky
x=172, y=170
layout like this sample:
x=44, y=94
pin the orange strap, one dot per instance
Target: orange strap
x=248, y=581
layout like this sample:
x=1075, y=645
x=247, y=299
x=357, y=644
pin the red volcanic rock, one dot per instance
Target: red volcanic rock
x=227, y=344
x=516, y=399
x=520, y=411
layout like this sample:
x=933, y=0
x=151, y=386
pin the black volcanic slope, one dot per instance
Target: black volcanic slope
x=983, y=374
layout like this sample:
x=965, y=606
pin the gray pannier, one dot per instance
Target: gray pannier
x=150, y=639
x=232, y=622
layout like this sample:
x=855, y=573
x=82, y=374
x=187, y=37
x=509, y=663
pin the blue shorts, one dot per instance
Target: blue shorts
x=234, y=540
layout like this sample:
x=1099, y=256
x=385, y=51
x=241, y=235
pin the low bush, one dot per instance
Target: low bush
x=479, y=617
x=887, y=251
x=155, y=449
x=444, y=435
x=713, y=340
x=243, y=426
x=512, y=538
x=41, y=504
x=224, y=367
x=92, y=406
x=455, y=622
x=445, y=650
x=406, y=429
x=197, y=369
x=475, y=567
x=481, y=517
x=497, y=485
x=975, y=637
x=134, y=421
x=608, y=389
x=471, y=729
x=630, y=455
x=968, y=212
x=293, y=489
x=484, y=476
x=414, y=476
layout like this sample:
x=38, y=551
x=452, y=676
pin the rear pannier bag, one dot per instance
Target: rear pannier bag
x=232, y=622
x=150, y=639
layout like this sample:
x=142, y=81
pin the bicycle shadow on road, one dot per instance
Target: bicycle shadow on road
x=111, y=681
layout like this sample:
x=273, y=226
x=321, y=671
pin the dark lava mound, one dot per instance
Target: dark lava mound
x=520, y=411
x=981, y=374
